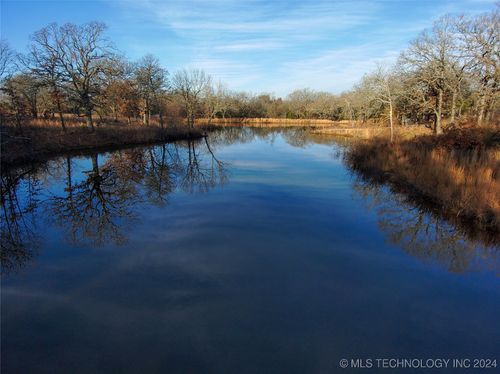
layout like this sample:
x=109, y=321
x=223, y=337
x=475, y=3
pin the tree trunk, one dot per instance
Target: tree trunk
x=488, y=116
x=482, y=106
x=88, y=119
x=34, y=112
x=391, y=120
x=437, y=127
x=87, y=105
x=18, y=121
x=59, y=111
x=190, y=118
x=161, y=118
x=453, y=106
x=145, y=118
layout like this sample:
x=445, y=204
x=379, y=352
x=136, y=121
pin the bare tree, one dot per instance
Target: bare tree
x=190, y=85
x=383, y=87
x=29, y=88
x=85, y=56
x=428, y=60
x=151, y=80
x=300, y=102
x=215, y=100
x=15, y=100
x=76, y=55
x=43, y=62
x=480, y=46
x=6, y=58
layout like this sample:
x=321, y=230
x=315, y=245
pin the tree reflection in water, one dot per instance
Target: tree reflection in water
x=422, y=233
x=159, y=175
x=94, y=209
x=199, y=175
x=97, y=205
x=19, y=240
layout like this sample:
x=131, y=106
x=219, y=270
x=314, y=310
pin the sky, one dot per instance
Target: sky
x=270, y=46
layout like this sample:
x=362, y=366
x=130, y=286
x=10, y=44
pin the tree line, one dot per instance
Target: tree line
x=448, y=73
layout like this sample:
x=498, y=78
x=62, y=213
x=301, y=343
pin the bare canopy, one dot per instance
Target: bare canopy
x=76, y=55
x=190, y=85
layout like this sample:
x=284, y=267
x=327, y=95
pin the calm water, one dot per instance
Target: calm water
x=256, y=251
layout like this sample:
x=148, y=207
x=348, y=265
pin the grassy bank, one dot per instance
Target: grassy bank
x=356, y=129
x=458, y=172
x=368, y=132
x=35, y=142
x=276, y=122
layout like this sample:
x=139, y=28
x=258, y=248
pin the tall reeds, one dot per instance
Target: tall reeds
x=458, y=171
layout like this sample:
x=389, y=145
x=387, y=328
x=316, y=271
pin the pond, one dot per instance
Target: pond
x=253, y=250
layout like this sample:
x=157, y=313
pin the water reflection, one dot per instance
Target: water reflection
x=93, y=210
x=423, y=234
x=19, y=240
x=95, y=200
x=198, y=175
x=97, y=204
x=233, y=279
x=294, y=136
x=159, y=174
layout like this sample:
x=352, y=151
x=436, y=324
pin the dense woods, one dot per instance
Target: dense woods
x=449, y=73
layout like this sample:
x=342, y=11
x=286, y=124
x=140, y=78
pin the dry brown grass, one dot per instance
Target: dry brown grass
x=276, y=122
x=458, y=171
x=368, y=132
x=74, y=121
x=40, y=138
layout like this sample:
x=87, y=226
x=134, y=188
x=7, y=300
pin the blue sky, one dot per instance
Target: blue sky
x=258, y=46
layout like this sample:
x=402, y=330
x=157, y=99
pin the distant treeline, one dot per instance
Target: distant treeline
x=448, y=72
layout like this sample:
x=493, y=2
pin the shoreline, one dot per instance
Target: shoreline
x=37, y=144
x=456, y=176
x=469, y=224
x=269, y=121
x=311, y=123
x=40, y=142
x=370, y=155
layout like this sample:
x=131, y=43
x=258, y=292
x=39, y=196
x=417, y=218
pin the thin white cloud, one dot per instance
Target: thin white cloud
x=278, y=46
x=238, y=74
x=204, y=17
x=299, y=25
x=255, y=45
x=334, y=70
